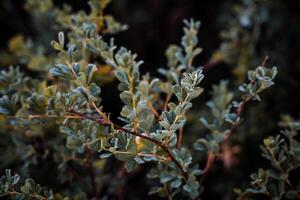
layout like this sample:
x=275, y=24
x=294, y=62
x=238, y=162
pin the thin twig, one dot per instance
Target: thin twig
x=168, y=97
x=14, y=193
x=168, y=192
x=209, y=164
x=179, y=141
x=47, y=116
x=153, y=110
x=211, y=64
x=233, y=127
x=158, y=143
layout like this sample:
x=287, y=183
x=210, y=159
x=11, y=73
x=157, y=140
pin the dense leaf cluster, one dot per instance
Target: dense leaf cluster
x=59, y=117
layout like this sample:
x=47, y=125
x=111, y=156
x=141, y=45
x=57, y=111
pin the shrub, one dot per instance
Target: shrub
x=56, y=119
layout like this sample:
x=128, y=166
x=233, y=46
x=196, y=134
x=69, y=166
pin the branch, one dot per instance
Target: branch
x=211, y=64
x=242, y=105
x=33, y=196
x=233, y=127
x=105, y=121
x=158, y=143
x=108, y=122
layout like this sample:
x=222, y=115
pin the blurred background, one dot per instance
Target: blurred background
x=235, y=36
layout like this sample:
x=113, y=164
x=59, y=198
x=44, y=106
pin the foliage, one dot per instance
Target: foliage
x=58, y=119
x=11, y=186
x=282, y=151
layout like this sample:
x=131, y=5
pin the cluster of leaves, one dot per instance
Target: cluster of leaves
x=282, y=151
x=139, y=110
x=153, y=117
x=11, y=185
x=248, y=29
x=225, y=112
x=26, y=97
x=36, y=53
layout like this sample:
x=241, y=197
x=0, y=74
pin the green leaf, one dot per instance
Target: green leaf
x=232, y=118
x=124, y=156
x=126, y=97
x=164, y=178
x=62, y=71
x=121, y=76
x=201, y=145
x=172, y=140
x=95, y=90
x=91, y=68
x=176, y=183
x=131, y=165
x=105, y=155
x=139, y=160
x=56, y=46
x=28, y=187
x=76, y=68
x=61, y=39
x=154, y=190
x=169, y=116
